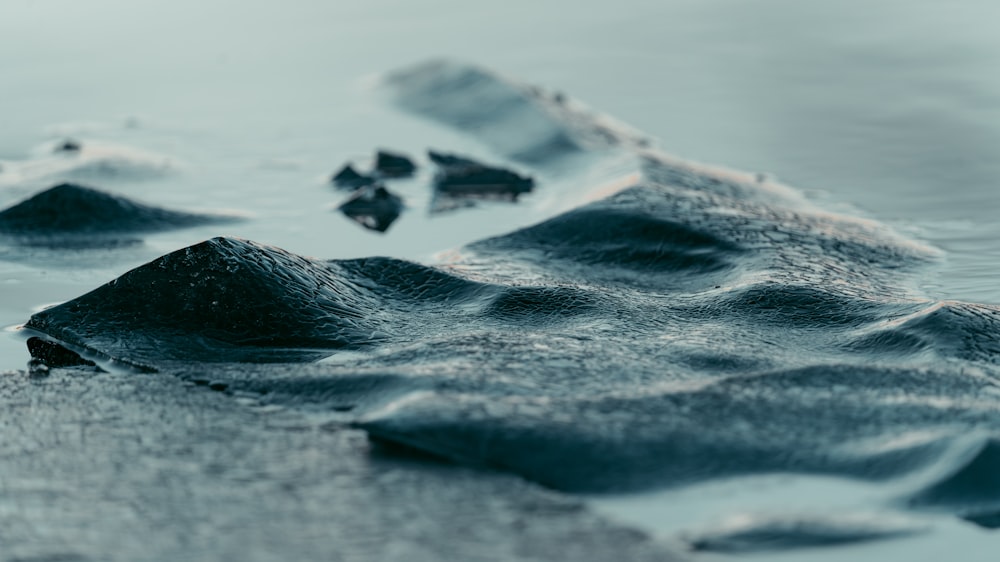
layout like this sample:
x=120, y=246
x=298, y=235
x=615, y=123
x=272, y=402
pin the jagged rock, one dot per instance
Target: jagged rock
x=373, y=207
x=393, y=165
x=349, y=178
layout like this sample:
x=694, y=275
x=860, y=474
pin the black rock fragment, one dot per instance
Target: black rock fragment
x=349, y=178
x=373, y=207
x=68, y=145
x=393, y=165
x=54, y=355
x=459, y=176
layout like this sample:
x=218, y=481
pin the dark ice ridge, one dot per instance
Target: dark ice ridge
x=698, y=325
x=72, y=215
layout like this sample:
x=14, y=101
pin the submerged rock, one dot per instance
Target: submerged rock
x=70, y=215
x=373, y=207
x=393, y=165
x=349, y=178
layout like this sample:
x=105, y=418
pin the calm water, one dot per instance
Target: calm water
x=888, y=109
x=891, y=106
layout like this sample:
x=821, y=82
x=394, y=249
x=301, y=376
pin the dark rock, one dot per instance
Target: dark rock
x=451, y=160
x=373, y=207
x=990, y=520
x=69, y=145
x=224, y=299
x=54, y=355
x=763, y=533
x=349, y=178
x=459, y=176
x=69, y=209
x=393, y=165
x=482, y=182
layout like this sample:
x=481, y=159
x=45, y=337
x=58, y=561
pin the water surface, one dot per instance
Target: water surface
x=886, y=110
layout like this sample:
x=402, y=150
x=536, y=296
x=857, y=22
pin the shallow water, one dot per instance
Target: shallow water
x=888, y=106
x=885, y=110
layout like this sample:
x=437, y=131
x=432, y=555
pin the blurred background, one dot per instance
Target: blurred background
x=892, y=106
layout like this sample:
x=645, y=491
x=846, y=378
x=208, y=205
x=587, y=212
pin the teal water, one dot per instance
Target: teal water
x=886, y=109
